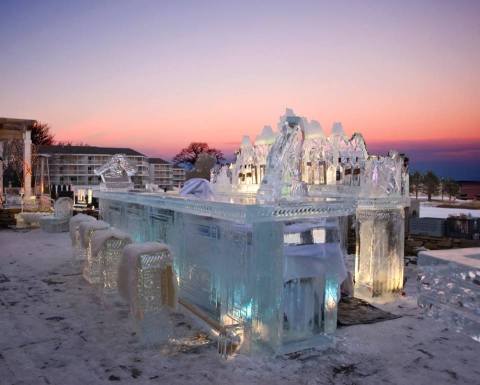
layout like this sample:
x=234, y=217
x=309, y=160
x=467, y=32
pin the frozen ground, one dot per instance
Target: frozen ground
x=440, y=212
x=54, y=330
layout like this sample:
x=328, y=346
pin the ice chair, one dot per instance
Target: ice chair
x=92, y=267
x=146, y=280
x=59, y=221
x=74, y=226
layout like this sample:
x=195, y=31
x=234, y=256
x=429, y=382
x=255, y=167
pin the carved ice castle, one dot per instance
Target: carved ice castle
x=306, y=162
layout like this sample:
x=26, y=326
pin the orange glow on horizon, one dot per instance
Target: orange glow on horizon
x=167, y=134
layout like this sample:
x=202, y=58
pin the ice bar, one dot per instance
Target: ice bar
x=265, y=255
x=237, y=267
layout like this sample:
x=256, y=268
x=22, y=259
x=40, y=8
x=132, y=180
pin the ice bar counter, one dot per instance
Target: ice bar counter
x=259, y=251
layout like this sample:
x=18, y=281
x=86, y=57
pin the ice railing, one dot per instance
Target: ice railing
x=300, y=161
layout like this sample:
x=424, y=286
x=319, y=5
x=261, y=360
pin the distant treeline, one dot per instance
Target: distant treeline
x=430, y=184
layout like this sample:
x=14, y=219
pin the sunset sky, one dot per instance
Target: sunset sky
x=156, y=75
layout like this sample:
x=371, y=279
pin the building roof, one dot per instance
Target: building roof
x=11, y=128
x=17, y=122
x=157, y=161
x=87, y=150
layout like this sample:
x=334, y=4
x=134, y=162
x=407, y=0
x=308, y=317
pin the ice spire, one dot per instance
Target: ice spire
x=283, y=175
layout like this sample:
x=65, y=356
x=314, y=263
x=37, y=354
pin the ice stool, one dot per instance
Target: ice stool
x=74, y=227
x=59, y=221
x=146, y=280
x=107, y=250
x=92, y=267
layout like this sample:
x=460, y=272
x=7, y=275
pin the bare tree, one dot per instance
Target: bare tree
x=64, y=143
x=416, y=183
x=190, y=154
x=41, y=134
x=452, y=188
x=14, y=149
x=13, y=163
x=205, y=162
x=443, y=187
x=68, y=143
x=431, y=184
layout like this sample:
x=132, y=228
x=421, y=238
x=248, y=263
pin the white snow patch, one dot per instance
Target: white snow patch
x=441, y=212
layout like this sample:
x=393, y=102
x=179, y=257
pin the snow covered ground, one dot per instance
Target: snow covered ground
x=54, y=330
x=440, y=212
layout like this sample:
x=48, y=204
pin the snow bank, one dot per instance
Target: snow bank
x=440, y=212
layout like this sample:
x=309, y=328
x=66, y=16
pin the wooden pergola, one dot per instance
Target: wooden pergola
x=11, y=128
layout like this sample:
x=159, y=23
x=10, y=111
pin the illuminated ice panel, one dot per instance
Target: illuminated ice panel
x=380, y=251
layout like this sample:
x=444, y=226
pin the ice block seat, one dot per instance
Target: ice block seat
x=59, y=221
x=74, y=227
x=449, y=288
x=146, y=280
x=29, y=219
x=106, y=252
x=92, y=267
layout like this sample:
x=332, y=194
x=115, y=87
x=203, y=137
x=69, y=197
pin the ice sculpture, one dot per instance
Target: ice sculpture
x=380, y=226
x=244, y=171
x=106, y=251
x=92, y=268
x=266, y=281
x=116, y=174
x=221, y=178
x=283, y=175
x=380, y=251
x=58, y=222
x=262, y=259
x=332, y=166
x=74, y=227
x=449, y=288
x=301, y=159
x=147, y=282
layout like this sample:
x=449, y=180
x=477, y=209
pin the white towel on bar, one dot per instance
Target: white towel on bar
x=198, y=187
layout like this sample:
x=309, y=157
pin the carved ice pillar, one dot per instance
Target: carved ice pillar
x=27, y=163
x=268, y=262
x=379, y=251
